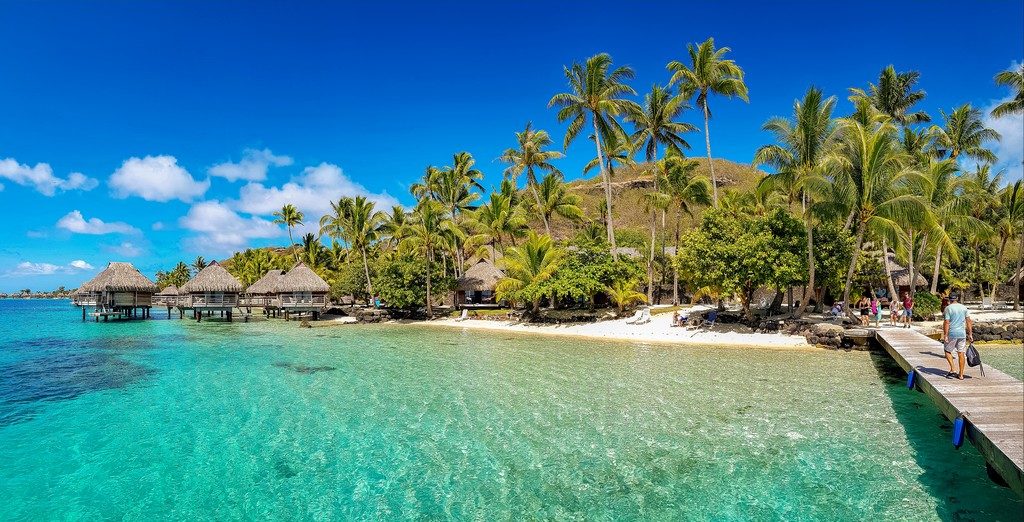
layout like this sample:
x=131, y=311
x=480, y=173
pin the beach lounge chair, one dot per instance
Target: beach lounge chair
x=986, y=303
x=635, y=318
x=645, y=317
x=464, y=316
x=708, y=321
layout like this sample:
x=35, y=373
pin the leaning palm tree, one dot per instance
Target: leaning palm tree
x=199, y=264
x=596, y=93
x=527, y=266
x=656, y=124
x=290, y=217
x=894, y=96
x=1014, y=79
x=802, y=144
x=951, y=204
x=879, y=176
x=708, y=73
x=555, y=199
x=964, y=133
x=528, y=157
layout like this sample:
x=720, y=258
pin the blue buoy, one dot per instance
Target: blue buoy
x=959, y=427
x=910, y=379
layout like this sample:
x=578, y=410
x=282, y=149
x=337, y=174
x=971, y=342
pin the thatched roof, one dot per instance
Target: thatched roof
x=265, y=284
x=168, y=290
x=301, y=279
x=213, y=278
x=901, y=274
x=479, y=277
x=119, y=277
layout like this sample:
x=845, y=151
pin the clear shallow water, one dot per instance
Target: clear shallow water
x=173, y=419
x=1008, y=358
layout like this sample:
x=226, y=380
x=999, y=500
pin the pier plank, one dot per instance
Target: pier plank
x=993, y=405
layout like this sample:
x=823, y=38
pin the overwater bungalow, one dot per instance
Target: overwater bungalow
x=213, y=289
x=300, y=290
x=119, y=290
x=476, y=286
x=168, y=297
x=261, y=293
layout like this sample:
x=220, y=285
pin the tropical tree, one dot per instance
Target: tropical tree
x=656, y=124
x=950, y=202
x=199, y=264
x=555, y=199
x=879, y=175
x=526, y=268
x=360, y=225
x=707, y=73
x=290, y=217
x=624, y=293
x=529, y=157
x=596, y=93
x=686, y=190
x=654, y=201
x=494, y=222
x=430, y=230
x=1012, y=222
x=1014, y=79
x=801, y=145
x=964, y=133
x=894, y=96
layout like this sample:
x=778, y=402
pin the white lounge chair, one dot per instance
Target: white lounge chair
x=645, y=317
x=636, y=317
x=464, y=316
x=986, y=303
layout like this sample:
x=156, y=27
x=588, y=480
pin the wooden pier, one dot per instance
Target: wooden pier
x=992, y=406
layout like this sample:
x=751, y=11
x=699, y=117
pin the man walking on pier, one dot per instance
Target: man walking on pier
x=957, y=331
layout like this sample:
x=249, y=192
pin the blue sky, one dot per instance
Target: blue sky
x=152, y=132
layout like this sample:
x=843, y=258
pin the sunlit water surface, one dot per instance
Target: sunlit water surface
x=172, y=419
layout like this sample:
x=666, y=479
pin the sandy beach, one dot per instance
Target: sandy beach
x=659, y=330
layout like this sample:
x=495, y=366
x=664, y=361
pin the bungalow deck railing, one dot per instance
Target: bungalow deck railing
x=300, y=300
x=214, y=300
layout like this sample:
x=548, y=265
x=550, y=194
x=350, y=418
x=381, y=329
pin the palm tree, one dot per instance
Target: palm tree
x=964, y=132
x=290, y=217
x=531, y=263
x=894, y=96
x=553, y=199
x=494, y=221
x=355, y=221
x=529, y=156
x=199, y=264
x=1013, y=208
x=1014, y=79
x=951, y=204
x=430, y=230
x=878, y=174
x=624, y=293
x=314, y=253
x=656, y=125
x=395, y=221
x=596, y=92
x=802, y=144
x=708, y=73
x=654, y=201
x=686, y=190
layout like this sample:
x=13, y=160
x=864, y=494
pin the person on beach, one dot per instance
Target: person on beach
x=875, y=309
x=895, y=312
x=908, y=309
x=957, y=331
x=864, y=307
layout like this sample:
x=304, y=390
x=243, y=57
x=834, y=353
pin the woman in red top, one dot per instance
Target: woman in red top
x=908, y=309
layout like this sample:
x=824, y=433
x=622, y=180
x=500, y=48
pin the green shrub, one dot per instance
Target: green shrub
x=926, y=305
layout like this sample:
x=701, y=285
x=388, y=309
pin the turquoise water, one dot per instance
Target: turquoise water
x=1008, y=358
x=169, y=419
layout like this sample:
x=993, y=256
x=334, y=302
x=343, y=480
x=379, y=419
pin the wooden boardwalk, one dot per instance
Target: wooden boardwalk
x=993, y=405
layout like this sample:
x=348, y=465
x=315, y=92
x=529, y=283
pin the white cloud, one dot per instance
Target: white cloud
x=312, y=192
x=158, y=225
x=125, y=249
x=41, y=178
x=75, y=222
x=253, y=167
x=28, y=268
x=222, y=230
x=1010, y=149
x=156, y=178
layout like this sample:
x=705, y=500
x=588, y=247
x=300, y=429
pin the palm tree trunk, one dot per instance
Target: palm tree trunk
x=809, y=291
x=291, y=244
x=910, y=264
x=935, y=269
x=430, y=308
x=888, y=272
x=999, y=264
x=675, y=271
x=1020, y=258
x=711, y=166
x=607, y=189
x=532, y=182
x=859, y=242
x=650, y=260
x=366, y=270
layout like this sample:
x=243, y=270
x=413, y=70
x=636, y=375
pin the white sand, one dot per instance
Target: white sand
x=656, y=331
